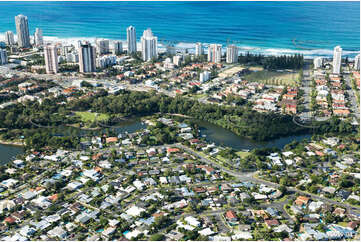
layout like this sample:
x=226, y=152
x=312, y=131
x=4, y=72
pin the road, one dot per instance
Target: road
x=249, y=177
x=352, y=98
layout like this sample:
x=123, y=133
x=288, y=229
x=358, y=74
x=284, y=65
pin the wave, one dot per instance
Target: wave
x=309, y=54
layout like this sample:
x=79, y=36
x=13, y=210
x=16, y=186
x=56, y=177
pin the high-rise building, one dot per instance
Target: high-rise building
x=317, y=62
x=38, y=37
x=214, y=53
x=232, y=54
x=149, y=45
x=204, y=76
x=102, y=46
x=3, y=57
x=87, y=57
x=177, y=60
x=357, y=62
x=22, y=31
x=336, y=63
x=9, y=38
x=51, y=59
x=131, y=40
x=117, y=47
x=199, y=49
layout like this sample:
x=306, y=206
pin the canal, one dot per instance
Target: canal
x=212, y=133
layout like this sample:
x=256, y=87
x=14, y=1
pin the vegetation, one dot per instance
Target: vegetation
x=273, y=62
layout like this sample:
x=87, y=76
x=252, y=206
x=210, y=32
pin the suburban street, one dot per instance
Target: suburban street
x=249, y=177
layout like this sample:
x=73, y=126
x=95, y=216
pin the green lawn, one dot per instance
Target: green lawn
x=272, y=77
x=88, y=117
x=242, y=154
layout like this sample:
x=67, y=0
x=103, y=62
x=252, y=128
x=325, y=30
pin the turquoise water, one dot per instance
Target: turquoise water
x=311, y=28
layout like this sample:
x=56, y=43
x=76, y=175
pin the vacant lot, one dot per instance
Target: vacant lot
x=273, y=77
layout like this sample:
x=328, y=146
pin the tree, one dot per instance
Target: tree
x=157, y=237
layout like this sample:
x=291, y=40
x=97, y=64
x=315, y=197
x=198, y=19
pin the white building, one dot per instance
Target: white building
x=317, y=62
x=232, y=54
x=51, y=59
x=86, y=58
x=336, y=63
x=117, y=47
x=177, y=60
x=131, y=40
x=22, y=31
x=102, y=46
x=9, y=38
x=199, y=49
x=3, y=57
x=72, y=58
x=214, y=53
x=38, y=37
x=357, y=62
x=204, y=76
x=105, y=61
x=149, y=45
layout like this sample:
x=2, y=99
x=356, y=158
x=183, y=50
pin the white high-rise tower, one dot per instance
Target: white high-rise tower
x=132, y=40
x=232, y=54
x=51, y=59
x=199, y=49
x=38, y=37
x=9, y=38
x=149, y=45
x=336, y=63
x=22, y=31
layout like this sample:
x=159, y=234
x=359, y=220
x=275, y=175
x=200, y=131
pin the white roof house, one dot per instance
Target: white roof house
x=135, y=211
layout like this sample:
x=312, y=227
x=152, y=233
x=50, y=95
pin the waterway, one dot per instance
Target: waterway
x=213, y=133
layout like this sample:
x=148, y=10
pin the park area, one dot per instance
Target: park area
x=89, y=117
x=273, y=77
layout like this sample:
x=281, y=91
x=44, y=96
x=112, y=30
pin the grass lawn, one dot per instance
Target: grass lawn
x=88, y=117
x=242, y=154
x=273, y=77
x=343, y=224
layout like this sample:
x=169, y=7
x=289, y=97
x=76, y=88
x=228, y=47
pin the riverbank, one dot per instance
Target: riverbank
x=13, y=143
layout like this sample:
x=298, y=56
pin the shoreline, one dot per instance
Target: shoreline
x=11, y=143
x=310, y=53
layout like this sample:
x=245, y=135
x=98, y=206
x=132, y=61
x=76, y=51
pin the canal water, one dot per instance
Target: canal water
x=213, y=133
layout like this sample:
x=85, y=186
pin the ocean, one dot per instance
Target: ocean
x=310, y=28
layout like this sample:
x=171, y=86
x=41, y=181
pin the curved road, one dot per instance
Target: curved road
x=250, y=178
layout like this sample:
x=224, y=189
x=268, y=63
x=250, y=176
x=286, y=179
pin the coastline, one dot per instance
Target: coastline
x=310, y=53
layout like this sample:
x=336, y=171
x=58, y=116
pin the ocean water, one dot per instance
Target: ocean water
x=310, y=28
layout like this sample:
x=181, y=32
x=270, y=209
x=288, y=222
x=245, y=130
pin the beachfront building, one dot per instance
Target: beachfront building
x=102, y=46
x=149, y=45
x=38, y=37
x=357, y=62
x=9, y=38
x=51, y=59
x=131, y=40
x=87, y=57
x=214, y=53
x=117, y=47
x=317, y=62
x=232, y=54
x=199, y=49
x=3, y=57
x=336, y=63
x=22, y=31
